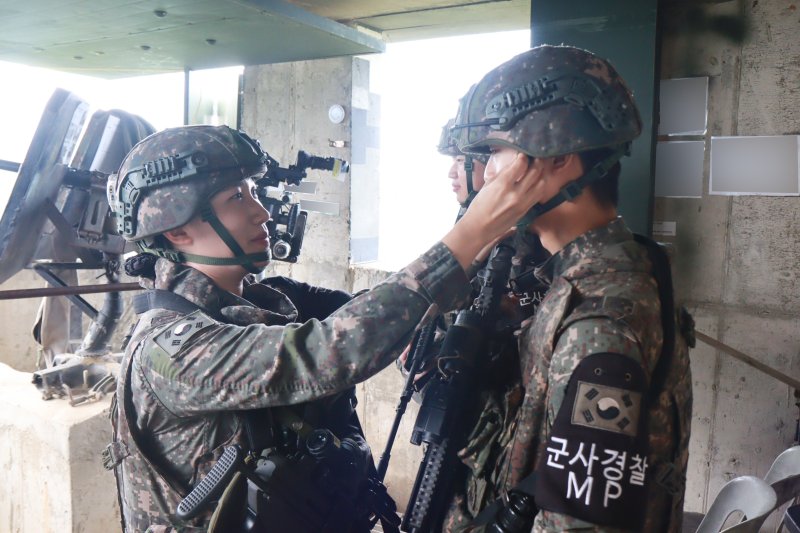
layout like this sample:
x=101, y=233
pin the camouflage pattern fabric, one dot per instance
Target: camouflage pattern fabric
x=509, y=438
x=548, y=101
x=192, y=374
x=154, y=192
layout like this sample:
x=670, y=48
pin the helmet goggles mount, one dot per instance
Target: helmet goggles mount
x=152, y=174
x=157, y=172
x=170, y=177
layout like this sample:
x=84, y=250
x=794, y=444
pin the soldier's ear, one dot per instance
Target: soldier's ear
x=178, y=236
x=569, y=164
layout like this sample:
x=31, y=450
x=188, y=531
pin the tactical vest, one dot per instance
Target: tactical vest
x=125, y=456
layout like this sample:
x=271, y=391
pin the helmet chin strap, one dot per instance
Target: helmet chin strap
x=469, y=166
x=574, y=188
x=239, y=257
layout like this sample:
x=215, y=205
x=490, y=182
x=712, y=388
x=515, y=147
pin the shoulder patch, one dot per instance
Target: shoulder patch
x=172, y=338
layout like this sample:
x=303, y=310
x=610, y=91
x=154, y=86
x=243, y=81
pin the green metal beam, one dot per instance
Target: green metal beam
x=623, y=31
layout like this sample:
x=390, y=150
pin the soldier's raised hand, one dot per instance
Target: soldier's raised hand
x=495, y=210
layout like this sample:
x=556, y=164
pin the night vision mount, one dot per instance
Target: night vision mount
x=287, y=224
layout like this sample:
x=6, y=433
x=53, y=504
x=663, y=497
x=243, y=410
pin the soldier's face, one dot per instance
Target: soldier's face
x=501, y=157
x=239, y=210
x=458, y=177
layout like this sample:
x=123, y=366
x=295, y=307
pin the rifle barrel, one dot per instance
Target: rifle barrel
x=18, y=294
x=422, y=344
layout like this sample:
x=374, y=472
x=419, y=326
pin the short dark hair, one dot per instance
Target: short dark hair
x=606, y=189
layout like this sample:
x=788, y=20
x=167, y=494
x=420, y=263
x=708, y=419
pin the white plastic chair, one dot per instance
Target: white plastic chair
x=784, y=476
x=746, y=494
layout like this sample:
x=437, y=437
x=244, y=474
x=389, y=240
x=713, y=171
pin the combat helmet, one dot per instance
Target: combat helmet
x=448, y=146
x=170, y=177
x=550, y=101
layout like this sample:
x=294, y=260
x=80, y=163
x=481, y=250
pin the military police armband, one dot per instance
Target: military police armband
x=594, y=466
x=172, y=338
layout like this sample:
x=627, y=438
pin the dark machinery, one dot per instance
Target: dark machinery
x=57, y=222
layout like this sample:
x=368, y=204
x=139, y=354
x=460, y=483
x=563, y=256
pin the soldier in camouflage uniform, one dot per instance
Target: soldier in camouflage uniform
x=602, y=409
x=216, y=360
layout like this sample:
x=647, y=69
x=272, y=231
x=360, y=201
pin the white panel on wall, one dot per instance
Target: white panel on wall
x=679, y=169
x=755, y=166
x=683, y=104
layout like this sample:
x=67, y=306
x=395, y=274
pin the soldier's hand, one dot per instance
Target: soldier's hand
x=498, y=206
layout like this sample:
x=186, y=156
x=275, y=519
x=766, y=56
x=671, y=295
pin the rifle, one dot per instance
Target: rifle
x=442, y=422
x=417, y=359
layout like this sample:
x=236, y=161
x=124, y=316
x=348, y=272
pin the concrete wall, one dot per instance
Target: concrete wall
x=17, y=348
x=50, y=458
x=736, y=258
x=286, y=108
x=735, y=261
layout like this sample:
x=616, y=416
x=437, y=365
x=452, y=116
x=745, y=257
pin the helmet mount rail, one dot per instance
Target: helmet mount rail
x=152, y=174
x=506, y=109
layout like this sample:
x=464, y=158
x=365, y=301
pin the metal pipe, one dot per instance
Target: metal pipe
x=186, y=77
x=18, y=294
x=11, y=166
x=103, y=325
x=752, y=361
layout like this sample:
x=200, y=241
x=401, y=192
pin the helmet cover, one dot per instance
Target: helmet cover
x=167, y=177
x=548, y=101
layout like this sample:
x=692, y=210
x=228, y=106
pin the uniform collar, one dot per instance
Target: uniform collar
x=605, y=249
x=260, y=303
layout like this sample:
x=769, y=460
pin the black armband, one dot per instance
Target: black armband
x=594, y=467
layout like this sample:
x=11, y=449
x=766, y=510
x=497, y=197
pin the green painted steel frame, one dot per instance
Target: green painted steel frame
x=625, y=32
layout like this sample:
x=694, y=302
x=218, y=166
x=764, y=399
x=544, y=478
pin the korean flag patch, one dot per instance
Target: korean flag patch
x=172, y=339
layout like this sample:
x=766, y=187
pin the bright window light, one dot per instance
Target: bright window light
x=420, y=83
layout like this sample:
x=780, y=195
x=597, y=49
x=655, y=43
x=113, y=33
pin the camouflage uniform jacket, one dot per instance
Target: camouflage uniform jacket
x=187, y=396
x=602, y=299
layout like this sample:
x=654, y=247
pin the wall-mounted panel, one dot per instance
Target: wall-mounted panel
x=755, y=166
x=679, y=169
x=683, y=106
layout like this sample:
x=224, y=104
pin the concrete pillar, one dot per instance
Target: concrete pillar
x=17, y=348
x=286, y=108
x=50, y=458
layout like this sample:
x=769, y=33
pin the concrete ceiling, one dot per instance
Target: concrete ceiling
x=421, y=19
x=116, y=38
